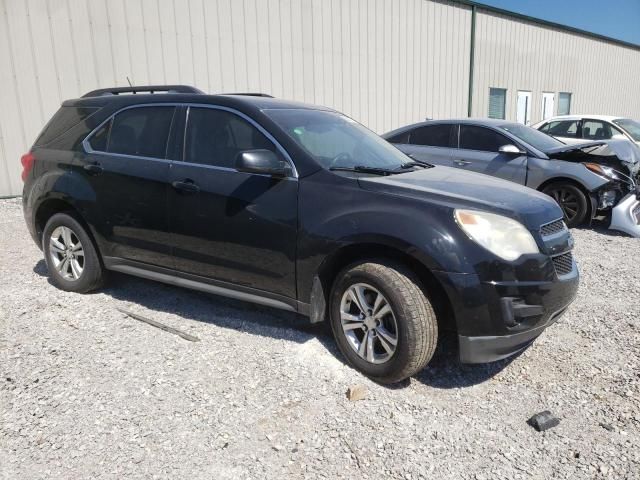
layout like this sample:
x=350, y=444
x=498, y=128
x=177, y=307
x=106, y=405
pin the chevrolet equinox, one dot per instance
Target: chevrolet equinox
x=301, y=208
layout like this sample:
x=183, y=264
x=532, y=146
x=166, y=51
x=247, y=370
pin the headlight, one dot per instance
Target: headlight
x=603, y=171
x=500, y=235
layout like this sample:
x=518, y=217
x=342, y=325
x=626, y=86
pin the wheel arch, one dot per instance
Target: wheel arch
x=51, y=206
x=591, y=200
x=359, y=252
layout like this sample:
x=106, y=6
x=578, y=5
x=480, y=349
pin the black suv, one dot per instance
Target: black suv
x=300, y=208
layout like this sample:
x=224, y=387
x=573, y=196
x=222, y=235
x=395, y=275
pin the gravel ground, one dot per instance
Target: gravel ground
x=86, y=392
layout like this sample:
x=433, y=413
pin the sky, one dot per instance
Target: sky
x=613, y=18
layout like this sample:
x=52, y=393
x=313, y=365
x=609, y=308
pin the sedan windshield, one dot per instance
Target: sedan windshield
x=336, y=141
x=535, y=138
x=632, y=127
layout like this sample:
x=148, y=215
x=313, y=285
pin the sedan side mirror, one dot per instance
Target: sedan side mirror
x=510, y=149
x=261, y=161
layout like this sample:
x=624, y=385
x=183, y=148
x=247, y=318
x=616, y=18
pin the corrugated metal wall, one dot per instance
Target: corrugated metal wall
x=603, y=77
x=384, y=62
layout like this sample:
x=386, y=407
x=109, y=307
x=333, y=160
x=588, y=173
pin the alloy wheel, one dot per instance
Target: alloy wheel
x=369, y=323
x=568, y=202
x=66, y=253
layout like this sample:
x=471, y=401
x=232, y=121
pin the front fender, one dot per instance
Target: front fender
x=542, y=171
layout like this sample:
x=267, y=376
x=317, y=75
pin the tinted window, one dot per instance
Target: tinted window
x=99, y=140
x=140, y=131
x=531, y=136
x=215, y=137
x=399, y=138
x=564, y=128
x=63, y=120
x=480, y=138
x=432, y=135
x=596, y=130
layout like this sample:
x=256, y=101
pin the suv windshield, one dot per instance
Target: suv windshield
x=336, y=141
x=533, y=137
x=630, y=126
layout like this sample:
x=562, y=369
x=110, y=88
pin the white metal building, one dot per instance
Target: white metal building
x=383, y=62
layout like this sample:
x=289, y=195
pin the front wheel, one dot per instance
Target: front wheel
x=382, y=321
x=572, y=201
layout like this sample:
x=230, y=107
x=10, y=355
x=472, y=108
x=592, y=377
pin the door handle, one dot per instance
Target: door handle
x=186, y=186
x=462, y=163
x=93, y=168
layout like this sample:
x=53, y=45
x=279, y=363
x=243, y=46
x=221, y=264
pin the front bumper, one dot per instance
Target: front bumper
x=625, y=216
x=497, y=319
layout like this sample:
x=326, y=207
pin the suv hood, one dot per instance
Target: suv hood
x=454, y=188
x=619, y=154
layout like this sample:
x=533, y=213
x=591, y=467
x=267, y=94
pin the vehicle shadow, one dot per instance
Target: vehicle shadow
x=443, y=372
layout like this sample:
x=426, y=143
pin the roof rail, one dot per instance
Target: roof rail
x=145, y=88
x=249, y=94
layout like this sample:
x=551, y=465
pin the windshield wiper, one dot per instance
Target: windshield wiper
x=363, y=169
x=415, y=163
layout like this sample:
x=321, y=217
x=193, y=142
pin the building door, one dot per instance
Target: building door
x=548, y=101
x=523, y=115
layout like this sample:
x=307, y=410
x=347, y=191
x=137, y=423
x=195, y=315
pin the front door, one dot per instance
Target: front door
x=127, y=170
x=548, y=104
x=479, y=152
x=523, y=115
x=227, y=225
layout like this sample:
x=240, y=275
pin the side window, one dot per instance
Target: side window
x=399, y=138
x=564, y=128
x=480, y=138
x=142, y=131
x=596, y=130
x=216, y=137
x=432, y=135
x=100, y=138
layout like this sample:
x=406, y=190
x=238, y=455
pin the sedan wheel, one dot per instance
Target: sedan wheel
x=368, y=323
x=67, y=254
x=572, y=201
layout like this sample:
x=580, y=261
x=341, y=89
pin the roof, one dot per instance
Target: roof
x=547, y=23
x=606, y=118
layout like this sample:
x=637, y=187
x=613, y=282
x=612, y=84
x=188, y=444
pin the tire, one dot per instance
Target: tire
x=83, y=271
x=572, y=201
x=412, y=317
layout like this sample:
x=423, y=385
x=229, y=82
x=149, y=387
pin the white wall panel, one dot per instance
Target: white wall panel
x=384, y=62
x=523, y=55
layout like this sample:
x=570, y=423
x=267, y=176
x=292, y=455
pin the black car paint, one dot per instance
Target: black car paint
x=282, y=240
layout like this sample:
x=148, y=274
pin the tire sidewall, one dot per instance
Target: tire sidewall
x=350, y=276
x=92, y=269
x=582, y=201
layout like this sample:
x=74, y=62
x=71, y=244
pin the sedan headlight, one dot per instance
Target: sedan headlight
x=603, y=171
x=500, y=235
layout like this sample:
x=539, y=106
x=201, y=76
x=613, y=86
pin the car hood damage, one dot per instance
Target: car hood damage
x=621, y=155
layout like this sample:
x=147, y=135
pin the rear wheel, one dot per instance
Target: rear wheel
x=382, y=321
x=572, y=201
x=70, y=256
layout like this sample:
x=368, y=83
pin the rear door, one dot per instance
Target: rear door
x=430, y=143
x=479, y=152
x=126, y=167
x=227, y=225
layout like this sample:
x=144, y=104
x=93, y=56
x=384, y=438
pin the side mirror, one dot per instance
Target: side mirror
x=261, y=161
x=510, y=150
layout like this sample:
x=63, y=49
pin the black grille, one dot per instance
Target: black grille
x=563, y=263
x=552, y=228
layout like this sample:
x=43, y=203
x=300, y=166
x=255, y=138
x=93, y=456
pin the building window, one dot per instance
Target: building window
x=497, y=101
x=564, y=103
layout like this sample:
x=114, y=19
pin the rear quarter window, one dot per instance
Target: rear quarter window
x=64, y=120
